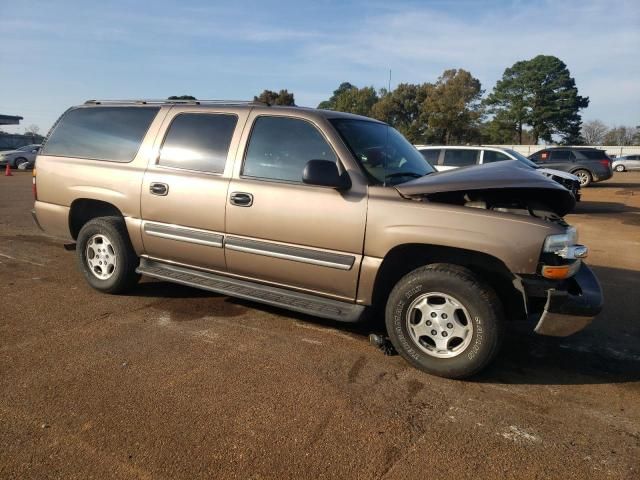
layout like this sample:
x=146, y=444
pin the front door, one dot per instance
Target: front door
x=184, y=192
x=284, y=232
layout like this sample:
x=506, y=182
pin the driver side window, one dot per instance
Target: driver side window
x=280, y=147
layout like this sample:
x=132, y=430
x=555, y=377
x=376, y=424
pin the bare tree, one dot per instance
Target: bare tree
x=32, y=129
x=620, y=136
x=594, y=132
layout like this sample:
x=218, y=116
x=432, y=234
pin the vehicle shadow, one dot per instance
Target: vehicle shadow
x=608, y=351
x=615, y=184
x=589, y=207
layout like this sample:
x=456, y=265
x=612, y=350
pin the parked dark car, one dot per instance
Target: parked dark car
x=588, y=164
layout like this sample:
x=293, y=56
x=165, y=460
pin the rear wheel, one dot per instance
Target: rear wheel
x=105, y=255
x=619, y=168
x=444, y=320
x=584, y=176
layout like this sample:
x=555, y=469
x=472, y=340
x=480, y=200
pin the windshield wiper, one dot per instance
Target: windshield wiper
x=403, y=174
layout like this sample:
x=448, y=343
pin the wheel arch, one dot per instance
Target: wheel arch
x=405, y=258
x=82, y=210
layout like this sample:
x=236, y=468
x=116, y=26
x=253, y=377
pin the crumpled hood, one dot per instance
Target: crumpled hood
x=558, y=173
x=506, y=177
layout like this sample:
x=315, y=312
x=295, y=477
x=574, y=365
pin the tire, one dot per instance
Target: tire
x=479, y=306
x=620, y=168
x=106, y=239
x=585, y=177
x=18, y=161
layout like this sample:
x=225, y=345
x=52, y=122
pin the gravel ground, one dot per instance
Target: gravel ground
x=172, y=382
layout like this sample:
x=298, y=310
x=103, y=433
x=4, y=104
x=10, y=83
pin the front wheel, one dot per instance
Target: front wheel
x=444, y=320
x=105, y=255
x=20, y=161
x=619, y=168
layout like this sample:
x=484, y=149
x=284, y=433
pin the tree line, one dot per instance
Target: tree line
x=535, y=100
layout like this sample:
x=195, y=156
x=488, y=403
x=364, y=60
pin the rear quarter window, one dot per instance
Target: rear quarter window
x=100, y=133
x=593, y=154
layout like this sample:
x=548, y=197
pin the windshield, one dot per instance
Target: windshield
x=521, y=157
x=386, y=156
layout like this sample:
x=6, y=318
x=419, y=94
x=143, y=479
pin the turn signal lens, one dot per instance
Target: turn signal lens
x=35, y=190
x=560, y=272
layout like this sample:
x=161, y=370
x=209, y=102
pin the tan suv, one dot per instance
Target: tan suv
x=321, y=212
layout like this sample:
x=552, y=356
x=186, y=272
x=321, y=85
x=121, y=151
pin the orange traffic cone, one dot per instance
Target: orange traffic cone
x=7, y=172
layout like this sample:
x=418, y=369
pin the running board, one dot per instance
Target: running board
x=233, y=287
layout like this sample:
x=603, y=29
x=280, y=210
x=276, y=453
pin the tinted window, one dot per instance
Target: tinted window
x=593, y=154
x=561, y=155
x=101, y=133
x=431, y=156
x=459, y=157
x=493, y=156
x=198, y=142
x=280, y=148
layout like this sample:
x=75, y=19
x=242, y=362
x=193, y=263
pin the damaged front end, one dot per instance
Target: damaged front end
x=508, y=186
x=563, y=296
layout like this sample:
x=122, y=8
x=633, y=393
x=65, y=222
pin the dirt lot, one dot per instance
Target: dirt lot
x=171, y=382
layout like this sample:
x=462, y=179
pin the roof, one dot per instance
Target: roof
x=232, y=104
x=460, y=147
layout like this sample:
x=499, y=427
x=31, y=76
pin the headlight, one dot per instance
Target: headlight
x=557, y=243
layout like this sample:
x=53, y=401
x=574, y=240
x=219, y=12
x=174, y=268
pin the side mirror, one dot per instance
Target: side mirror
x=325, y=174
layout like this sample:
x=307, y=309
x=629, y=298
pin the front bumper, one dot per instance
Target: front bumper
x=572, y=306
x=600, y=175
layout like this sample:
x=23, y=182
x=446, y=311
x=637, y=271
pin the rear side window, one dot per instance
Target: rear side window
x=460, y=158
x=593, y=154
x=100, y=133
x=491, y=156
x=561, y=155
x=431, y=155
x=197, y=141
x=280, y=148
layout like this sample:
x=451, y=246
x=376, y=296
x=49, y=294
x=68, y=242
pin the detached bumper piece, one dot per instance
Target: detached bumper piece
x=569, y=311
x=35, y=219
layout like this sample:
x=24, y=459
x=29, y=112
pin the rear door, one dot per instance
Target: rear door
x=184, y=191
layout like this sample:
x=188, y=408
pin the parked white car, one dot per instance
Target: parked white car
x=23, y=156
x=446, y=157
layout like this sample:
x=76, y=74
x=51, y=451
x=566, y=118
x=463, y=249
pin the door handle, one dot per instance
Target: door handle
x=157, y=188
x=241, y=199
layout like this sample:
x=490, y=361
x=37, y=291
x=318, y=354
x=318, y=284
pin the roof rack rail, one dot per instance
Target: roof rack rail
x=174, y=102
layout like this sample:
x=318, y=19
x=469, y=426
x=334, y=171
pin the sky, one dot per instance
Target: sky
x=58, y=53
